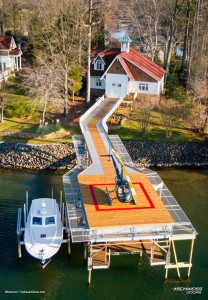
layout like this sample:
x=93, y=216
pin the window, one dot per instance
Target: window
x=37, y=221
x=113, y=84
x=50, y=220
x=143, y=86
x=98, y=82
x=99, y=65
x=2, y=66
x=118, y=85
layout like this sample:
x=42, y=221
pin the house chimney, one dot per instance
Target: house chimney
x=125, y=43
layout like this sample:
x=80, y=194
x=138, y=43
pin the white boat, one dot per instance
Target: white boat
x=43, y=230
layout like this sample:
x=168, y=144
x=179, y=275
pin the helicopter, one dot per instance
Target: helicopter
x=125, y=191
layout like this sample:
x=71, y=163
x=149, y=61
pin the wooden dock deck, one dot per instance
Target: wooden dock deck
x=152, y=224
x=100, y=214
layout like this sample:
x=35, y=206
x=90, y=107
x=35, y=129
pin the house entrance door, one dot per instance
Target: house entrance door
x=116, y=90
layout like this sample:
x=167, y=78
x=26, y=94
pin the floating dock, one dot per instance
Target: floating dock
x=153, y=224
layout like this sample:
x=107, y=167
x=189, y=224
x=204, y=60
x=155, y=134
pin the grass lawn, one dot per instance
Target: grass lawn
x=156, y=132
x=15, y=93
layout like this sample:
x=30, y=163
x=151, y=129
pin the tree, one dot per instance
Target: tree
x=171, y=35
x=171, y=112
x=2, y=109
x=148, y=15
x=44, y=84
x=144, y=104
x=199, y=89
x=75, y=76
x=94, y=19
x=2, y=86
x=55, y=31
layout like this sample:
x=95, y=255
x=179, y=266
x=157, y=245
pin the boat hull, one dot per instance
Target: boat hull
x=44, y=262
x=43, y=231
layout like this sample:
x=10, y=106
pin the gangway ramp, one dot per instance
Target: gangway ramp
x=101, y=174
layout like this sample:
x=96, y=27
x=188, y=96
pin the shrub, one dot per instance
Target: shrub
x=21, y=109
x=48, y=128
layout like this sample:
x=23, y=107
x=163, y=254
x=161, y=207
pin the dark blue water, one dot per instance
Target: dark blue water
x=128, y=277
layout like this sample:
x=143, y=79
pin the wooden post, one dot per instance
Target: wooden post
x=89, y=277
x=19, y=246
x=69, y=243
x=190, y=257
x=85, y=251
x=167, y=260
x=176, y=260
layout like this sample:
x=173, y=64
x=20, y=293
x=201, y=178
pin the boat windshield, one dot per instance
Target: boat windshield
x=37, y=221
x=50, y=220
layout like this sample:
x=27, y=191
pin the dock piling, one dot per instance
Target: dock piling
x=85, y=251
x=69, y=243
x=89, y=277
x=19, y=232
x=25, y=218
x=26, y=205
x=62, y=214
x=60, y=204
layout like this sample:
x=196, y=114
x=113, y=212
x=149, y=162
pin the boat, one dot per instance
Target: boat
x=43, y=231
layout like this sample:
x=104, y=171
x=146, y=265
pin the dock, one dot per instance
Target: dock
x=151, y=225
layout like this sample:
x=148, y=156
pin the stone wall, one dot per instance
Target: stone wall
x=21, y=156
x=167, y=154
x=62, y=155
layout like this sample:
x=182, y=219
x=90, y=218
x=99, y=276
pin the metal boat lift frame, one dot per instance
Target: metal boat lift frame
x=21, y=229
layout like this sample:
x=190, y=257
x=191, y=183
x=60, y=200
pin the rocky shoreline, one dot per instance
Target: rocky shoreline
x=62, y=156
x=40, y=157
x=168, y=154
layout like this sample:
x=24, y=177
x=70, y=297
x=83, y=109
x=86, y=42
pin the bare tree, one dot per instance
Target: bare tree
x=171, y=112
x=44, y=84
x=198, y=86
x=55, y=32
x=144, y=105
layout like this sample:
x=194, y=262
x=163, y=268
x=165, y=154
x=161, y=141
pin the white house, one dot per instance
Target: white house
x=10, y=56
x=118, y=72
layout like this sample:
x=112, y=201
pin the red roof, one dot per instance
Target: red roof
x=5, y=41
x=15, y=52
x=126, y=68
x=134, y=57
x=144, y=63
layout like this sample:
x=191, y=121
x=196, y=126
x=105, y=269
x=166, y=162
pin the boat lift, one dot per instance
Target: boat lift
x=20, y=230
